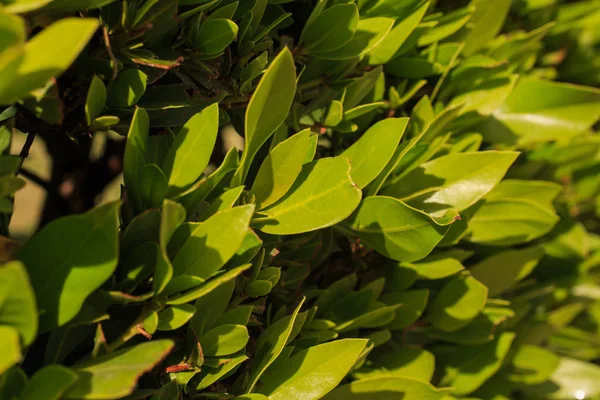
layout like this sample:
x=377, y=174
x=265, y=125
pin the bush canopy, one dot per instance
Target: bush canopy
x=414, y=214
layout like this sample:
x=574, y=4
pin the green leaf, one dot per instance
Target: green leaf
x=95, y=100
x=485, y=23
x=413, y=304
x=208, y=286
x=331, y=29
x=224, y=202
x=533, y=365
x=572, y=378
x=467, y=368
x=173, y=317
x=75, y=5
x=268, y=108
x=405, y=25
x=359, y=88
x=539, y=111
x=172, y=215
x=322, y=195
x=114, y=375
x=540, y=192
x=46, y=56
x=455, y=181
x=190, y=153
x=386, y=388
x=224, y=340
x=208, y=375
x=279, y=170
x=215, y=35
x=506, y=223
x=134, y=159
x=394, y=229
x=501, y=271
x=49, y=383
x=435, y=267
x=202, y=188
x=12, y=31
x=369, y=33
x=314, y=371
x=369, y=155
x=167, y=392
x=457, y=303
x=213, y=242
x=10, y=348
x=270, y=344
x=17, y=304
x=127, y=89
x=210, y=307
x=83, y=251
x=447, y=25
x=406, y=362
x=153, y=186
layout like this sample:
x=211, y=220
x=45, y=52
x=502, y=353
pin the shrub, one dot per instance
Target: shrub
x=413, y=215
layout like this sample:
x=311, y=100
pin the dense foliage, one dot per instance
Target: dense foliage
x=414, y=213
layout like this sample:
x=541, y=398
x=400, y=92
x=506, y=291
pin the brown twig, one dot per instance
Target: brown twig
x=110, y=52
x=27, y=146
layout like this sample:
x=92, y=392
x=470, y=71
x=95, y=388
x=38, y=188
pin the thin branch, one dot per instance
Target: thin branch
x=34, y=178
x=27, y=146
x=110, y=52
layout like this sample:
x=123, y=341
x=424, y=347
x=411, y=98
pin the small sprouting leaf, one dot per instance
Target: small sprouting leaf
x=313, y=372
x=189, y=154
x=396, y=230
x=370, y=154
x=457, y=303
x=83, y=251
x=331, y=29
x=95, y=101
x=279, y=170
x=127, y=89
x=215, y=35
x=322, y=195
x=114, y=375
x=268, y=108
